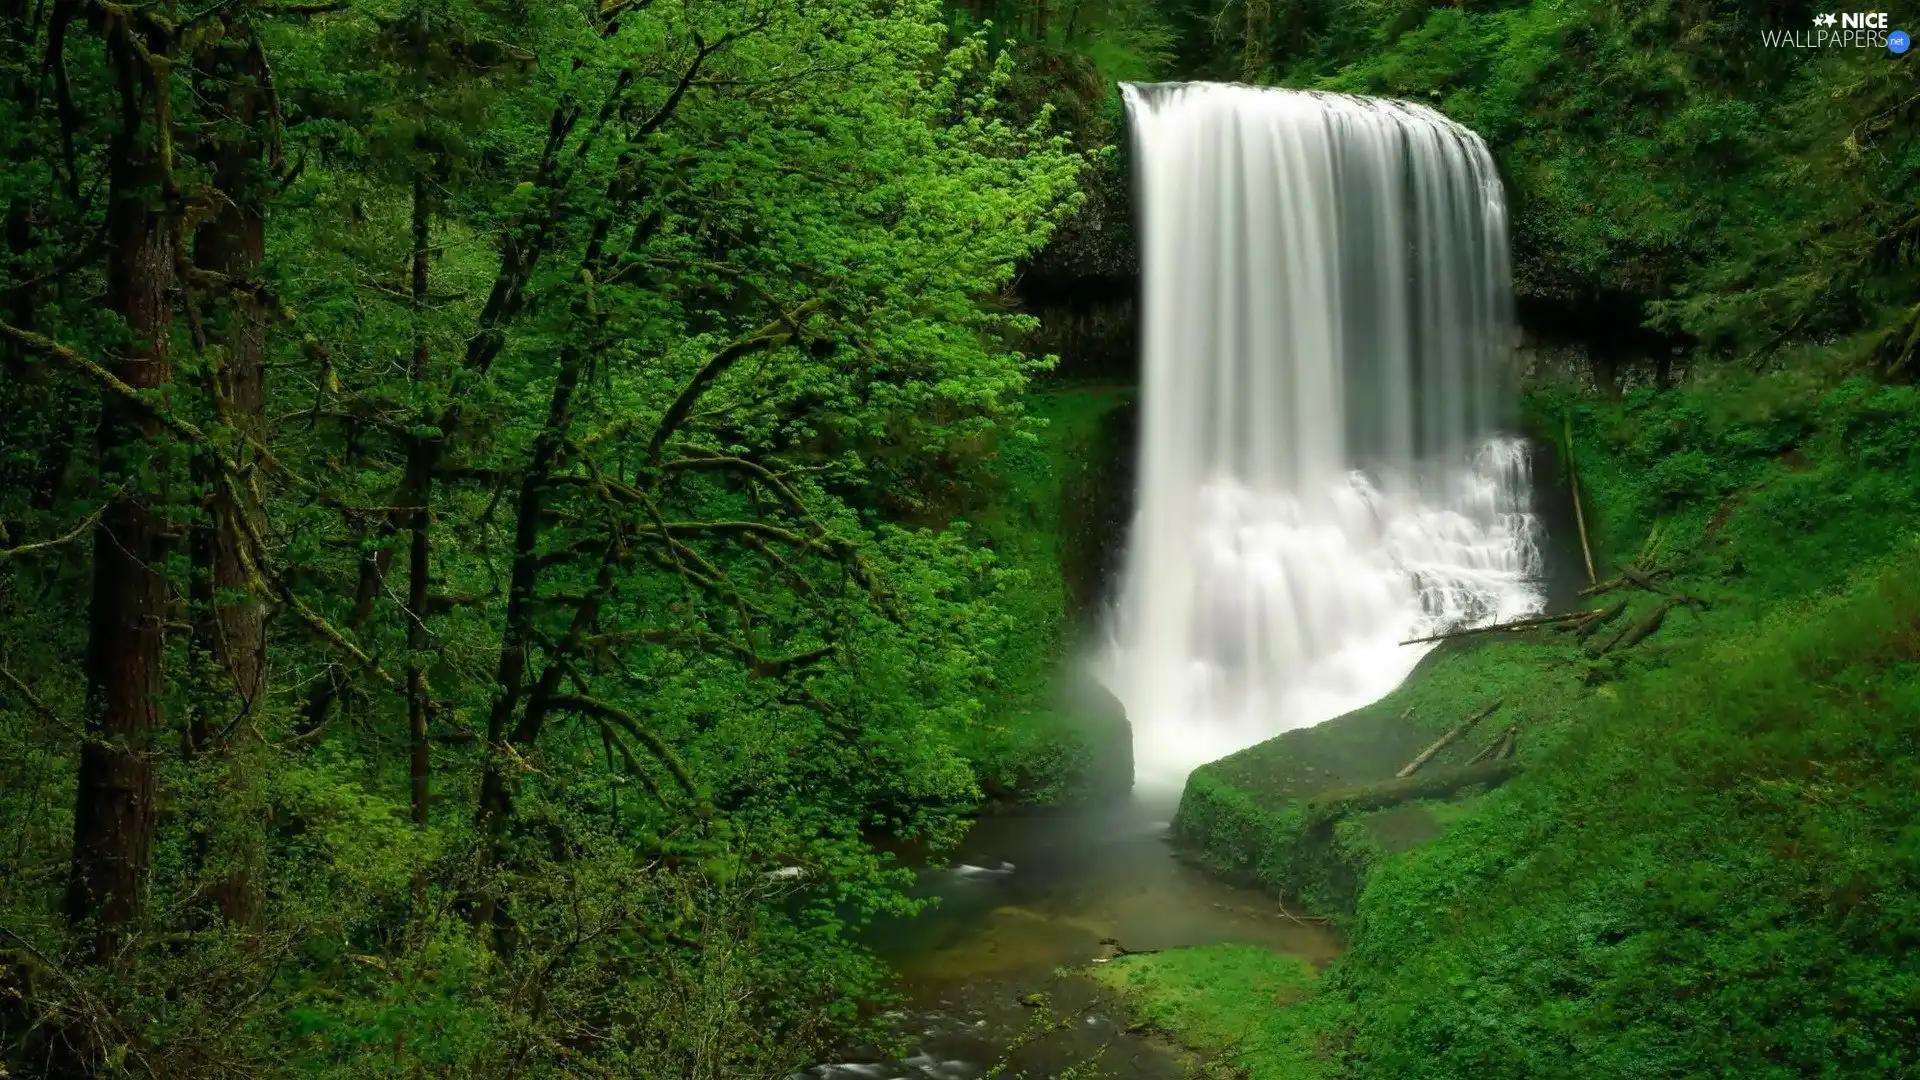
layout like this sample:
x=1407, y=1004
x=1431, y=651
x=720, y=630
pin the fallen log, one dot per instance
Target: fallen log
x=1439, y=784
x=1606, y=586
x=1642, y=579
x=1508, y=743
x=1645, y=629
x=1579, y=513
x=1605, y=615
x=1634, y=633
x=1517, y=624
x=1497, y=748
x=1645, y=581
x=1631, y=574
x=1442, y=743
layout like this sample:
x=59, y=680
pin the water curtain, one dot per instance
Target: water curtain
x=1327, y=326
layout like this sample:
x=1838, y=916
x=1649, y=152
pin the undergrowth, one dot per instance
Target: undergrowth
x=1716, y=872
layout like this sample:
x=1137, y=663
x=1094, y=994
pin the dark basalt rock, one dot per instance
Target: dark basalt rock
x=1097, y=246
x=1083, y=285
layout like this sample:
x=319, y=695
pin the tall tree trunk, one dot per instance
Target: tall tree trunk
x=233, y=244
x=421, y=454
x=126, y=663
x=517, y=639
x=1253, y=58
x=230, y=624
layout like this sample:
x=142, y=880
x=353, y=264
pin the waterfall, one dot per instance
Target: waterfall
x=1326, y=323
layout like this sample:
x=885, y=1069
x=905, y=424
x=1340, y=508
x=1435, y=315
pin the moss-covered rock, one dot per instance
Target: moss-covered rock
x=1055, y=521
x=1283, y=814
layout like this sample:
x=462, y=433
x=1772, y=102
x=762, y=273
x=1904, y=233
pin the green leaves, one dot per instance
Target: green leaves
x=622, y=348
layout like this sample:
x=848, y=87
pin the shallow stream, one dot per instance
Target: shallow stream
x=1029, y=894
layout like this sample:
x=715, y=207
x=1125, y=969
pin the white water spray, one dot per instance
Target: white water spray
x=1327, y=316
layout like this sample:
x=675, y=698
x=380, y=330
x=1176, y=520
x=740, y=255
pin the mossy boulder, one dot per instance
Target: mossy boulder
x=1052, y=735
x=1310, y=812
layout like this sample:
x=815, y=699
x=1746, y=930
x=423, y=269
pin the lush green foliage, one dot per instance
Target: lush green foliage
x=1713, y=875
x=606, y=350
x=475, y=564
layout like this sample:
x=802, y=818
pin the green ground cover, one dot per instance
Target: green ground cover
x=1244, y=1007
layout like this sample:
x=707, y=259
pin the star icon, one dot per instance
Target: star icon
x=1824, y=20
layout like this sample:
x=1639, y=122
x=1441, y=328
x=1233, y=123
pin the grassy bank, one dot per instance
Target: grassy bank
x=1241, y=1006
x=1708, y=864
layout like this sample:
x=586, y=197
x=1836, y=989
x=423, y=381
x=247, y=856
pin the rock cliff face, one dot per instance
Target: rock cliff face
x=1097, y=508
x=1082, y=286
x=1098, y=243
x=1597, y=365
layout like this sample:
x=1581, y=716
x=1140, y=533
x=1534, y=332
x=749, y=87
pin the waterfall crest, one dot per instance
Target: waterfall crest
x=1326, y=320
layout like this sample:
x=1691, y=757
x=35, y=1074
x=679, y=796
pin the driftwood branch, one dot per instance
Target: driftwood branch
x=1518, y=624
x=1499, y=749
x=1579, y=512
x=1445, y=740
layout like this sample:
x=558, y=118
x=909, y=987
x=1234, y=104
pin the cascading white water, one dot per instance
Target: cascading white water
x=1327, y=315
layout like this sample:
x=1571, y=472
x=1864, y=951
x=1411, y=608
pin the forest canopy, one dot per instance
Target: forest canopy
x=457, y=613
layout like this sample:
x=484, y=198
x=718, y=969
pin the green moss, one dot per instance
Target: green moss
x=1245, y=815
x=1030, y=748
x=1245, y=1007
